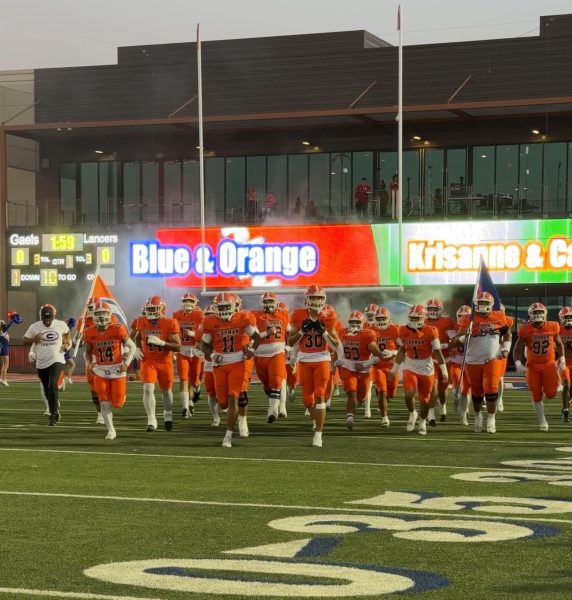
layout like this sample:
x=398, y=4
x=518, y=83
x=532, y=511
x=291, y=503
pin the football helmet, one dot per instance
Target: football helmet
x=225, y=304
x=237, y=302
x=102, y=314
x=154, y=307
x=283, y=306
x=537, y=313
x=382, y=317
x=484, y=303
x=463, y=313
x=47, y=311
x=565, y=316
x=210, y=310
x=416, y=316
x=356, y=321
x=189, y=302
x=315, y=297
x=269, y=302
x=369, y=312
x=91, y=305
x=434, y=308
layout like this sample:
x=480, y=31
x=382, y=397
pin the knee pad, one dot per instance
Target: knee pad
x=478, y=400
x=491, y=397
x=243, y=399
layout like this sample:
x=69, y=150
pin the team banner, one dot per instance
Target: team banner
x=435, y=253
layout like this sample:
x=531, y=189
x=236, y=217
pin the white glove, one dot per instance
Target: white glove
x=198, y=353
x=189, y=333
x=155, y=341
x=444, y=373
x=561, y=364
x=388, y=353
x=32, y=356
x=216, y=358
x=138, y=354
x=520, y=368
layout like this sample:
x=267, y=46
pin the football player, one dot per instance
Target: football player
x=565, y=318
x=488, y=342
x=446, y=328
x=104, y=356
x=189, y=365
x=510, y=324
x=385, y=382
x=418, y=343
x=462, y=389
x=157, y=338
x=369, y=313
x=269, y=351
x=357, y=345
x=223, y=343
x=541, y=338
x=313, y=328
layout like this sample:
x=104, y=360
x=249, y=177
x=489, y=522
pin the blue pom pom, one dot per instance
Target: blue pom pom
x=71, y=322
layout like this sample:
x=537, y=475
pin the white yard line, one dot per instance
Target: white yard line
x=479, y=516
x=136, y=454
x=78, y=595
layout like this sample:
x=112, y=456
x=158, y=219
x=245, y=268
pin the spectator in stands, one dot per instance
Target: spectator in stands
x=438, y=202
x=297, y=210
x=361, y=196
x=393, y=188
x=383, y=198
x=270, y=204
x=251, y=203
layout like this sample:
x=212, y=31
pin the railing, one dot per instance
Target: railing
x=21, y=215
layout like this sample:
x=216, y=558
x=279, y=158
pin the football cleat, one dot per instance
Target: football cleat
x=99, y=420
x=168, y=425
x=52, y=420
x=317, y=440
x=151, y=428
x=111, y=435
x=422, y=427
x=350, y=422
x=243, y=428
x=491, y=424
x=186, y=414
x=412, y=420
x=565, y=415
x=544, y=425
x=385, y=421
x=216, y=421
x=227, y=442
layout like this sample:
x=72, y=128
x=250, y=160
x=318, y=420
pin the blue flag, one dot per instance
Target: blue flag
x=485, y=284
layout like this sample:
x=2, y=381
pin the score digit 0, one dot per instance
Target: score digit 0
x=106, y=255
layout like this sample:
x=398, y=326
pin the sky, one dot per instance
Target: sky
x=62, y=33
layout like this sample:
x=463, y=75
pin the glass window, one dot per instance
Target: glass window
x=214, y=190
x=411, y=174
x=131, y=192
x=68, y=192
x=483, y=170
x=275, y=200
x=340, y=178
x=191, y=192
x=569, y=181
x=255, y=186
x=506, y=179
x=108, y=192
x=555, y=177
x=319, y=202
x=433, y=182
x=387, y=167
x=297, y=184
x=235, y=188
x=89, y=193
x=172, y=203
x=150, y=192
x=456, y=181
x=530, y=179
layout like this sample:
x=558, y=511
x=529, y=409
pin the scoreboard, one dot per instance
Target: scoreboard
x=59, y=259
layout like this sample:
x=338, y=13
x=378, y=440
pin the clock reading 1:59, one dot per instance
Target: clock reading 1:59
x=62, y=242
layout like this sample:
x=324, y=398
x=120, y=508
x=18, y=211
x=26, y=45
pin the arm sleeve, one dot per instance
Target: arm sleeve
x=207, y=338
x=436, y=344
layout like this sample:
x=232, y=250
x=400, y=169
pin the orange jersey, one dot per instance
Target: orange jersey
x=456, y=352
x=189, y=322
x=387, y=340
x=356, y=345
x=228, y=337
x=509, y=322
x=275, y=343
x=313, y=346
x=418, y=343
x=163, y=328
x=566, y=337
x=106, y=346
x=444, y=325
x=539, y=341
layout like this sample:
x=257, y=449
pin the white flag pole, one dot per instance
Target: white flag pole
x=400, y=178
x=79, y=332
x=201, y=160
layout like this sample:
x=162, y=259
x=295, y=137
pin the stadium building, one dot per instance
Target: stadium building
x=100, y=164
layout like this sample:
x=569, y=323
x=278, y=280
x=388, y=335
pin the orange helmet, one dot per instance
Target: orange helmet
x=484, y=303
x=537, y=313
x=102, y=314
x=315, y=297
x=154, y=307
x=269, y=302
x=237, y=302
x=90, y=306
x=189, y=302
x=369, y=312
x=416, y=316
x=356, y=321
x=225, y=305
x=463, y=313
x=47, y=311
x=565, y=316
x=210, y=310
x=283, y=306
x=382, y=317
x=434, y=308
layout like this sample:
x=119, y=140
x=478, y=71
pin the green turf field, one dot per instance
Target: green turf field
x=173, y=515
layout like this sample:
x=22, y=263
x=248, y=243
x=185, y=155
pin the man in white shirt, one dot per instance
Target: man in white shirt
x=49, y=339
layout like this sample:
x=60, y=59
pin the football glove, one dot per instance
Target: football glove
x=155, y=340
x=307, y=326
x=319, y=326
